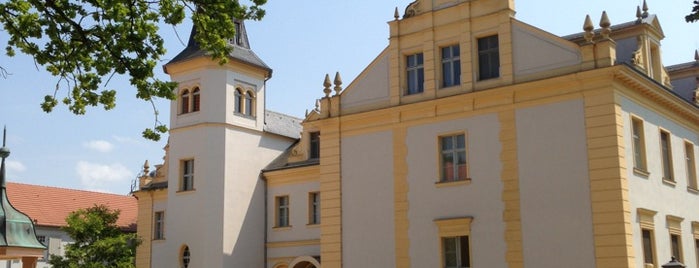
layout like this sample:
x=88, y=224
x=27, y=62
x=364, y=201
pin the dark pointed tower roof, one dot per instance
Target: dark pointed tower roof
x=16, y=228
x=241, y=49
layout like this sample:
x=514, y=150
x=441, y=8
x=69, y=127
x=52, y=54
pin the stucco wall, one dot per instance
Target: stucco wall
x=298, y=215
x=367, y=200
x=554, y=186
x=370, y=88
x=481, y=199
x=651, y=192
x=537, y=51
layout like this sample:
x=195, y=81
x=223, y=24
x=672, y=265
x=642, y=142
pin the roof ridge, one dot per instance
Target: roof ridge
x=69, y=189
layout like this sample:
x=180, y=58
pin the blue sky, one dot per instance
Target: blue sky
x=301, y=40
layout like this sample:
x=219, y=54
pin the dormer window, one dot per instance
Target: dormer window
x=238, y=35
x=314, y=145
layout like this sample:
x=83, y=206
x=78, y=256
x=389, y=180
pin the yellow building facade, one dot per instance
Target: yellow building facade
x=476, y=140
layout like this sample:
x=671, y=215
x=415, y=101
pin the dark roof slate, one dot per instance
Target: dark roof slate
x=241, y=51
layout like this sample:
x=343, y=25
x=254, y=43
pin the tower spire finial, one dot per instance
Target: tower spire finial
x=639, y=15
x=696, y=55
x=645, y=9
x=4, y=153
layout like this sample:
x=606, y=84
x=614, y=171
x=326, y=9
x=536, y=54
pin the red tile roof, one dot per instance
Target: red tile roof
x=49, y=206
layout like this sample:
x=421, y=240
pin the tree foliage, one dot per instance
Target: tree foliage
x=85, y=42
x=694, y=16
x=99, y=243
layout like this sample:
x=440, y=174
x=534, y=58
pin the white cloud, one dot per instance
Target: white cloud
x=128, y=140
x=15, y=166
x=99, y=145
x=95, y=176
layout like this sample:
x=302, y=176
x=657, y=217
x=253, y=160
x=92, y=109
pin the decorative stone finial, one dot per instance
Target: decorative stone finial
x=395, y=14
x=589, y=29
x=326, y=85
x=639, y=15
x=338, y=83
x=696, y=55
x=605, y=24
x=146, y=168
x=317, y=105
x=645, y=9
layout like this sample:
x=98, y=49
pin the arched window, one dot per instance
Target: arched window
x=195, y=100
x=248, y=103
x=184, y=101
x=184, y=256
x=238, y=101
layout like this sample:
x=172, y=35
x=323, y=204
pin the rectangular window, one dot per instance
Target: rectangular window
x=666, y=154
x=648, y=257
x=416, y=74
x=315, y=145
x=314, y=208
x=41, y=238
x=451, y=66
x=696, y=249
x=691, y=166
x=282, y=203
x=238, y=34
x=676, y=246
x=187, y=183
x=453, y=158
x=158, y=225
x=639, y=145
x=456, y=252
x=488, y=58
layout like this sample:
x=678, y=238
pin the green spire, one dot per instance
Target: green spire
x=16, y=228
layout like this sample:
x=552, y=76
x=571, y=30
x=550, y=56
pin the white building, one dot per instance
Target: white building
x=472, y=140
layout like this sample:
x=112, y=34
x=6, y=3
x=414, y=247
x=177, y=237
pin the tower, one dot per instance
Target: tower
x=219, y=141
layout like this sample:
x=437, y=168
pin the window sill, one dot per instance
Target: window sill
x=442, y=184
x=281, y=228
x=693, y=190
x=669, y=182
x=161, y=240
x=189, y=113
x=185, y=191
x=641, y=172
x=313, y=225
x=251, y=117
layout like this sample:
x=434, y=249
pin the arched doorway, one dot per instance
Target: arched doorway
x=304, y=262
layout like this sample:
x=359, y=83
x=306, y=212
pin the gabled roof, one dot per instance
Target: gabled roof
x=241, y=50
x=49, y=206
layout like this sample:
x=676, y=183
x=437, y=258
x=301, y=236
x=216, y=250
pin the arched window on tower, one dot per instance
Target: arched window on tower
x=195, y=100
x=238, y=101
x=184, y=102
x=249, y=103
